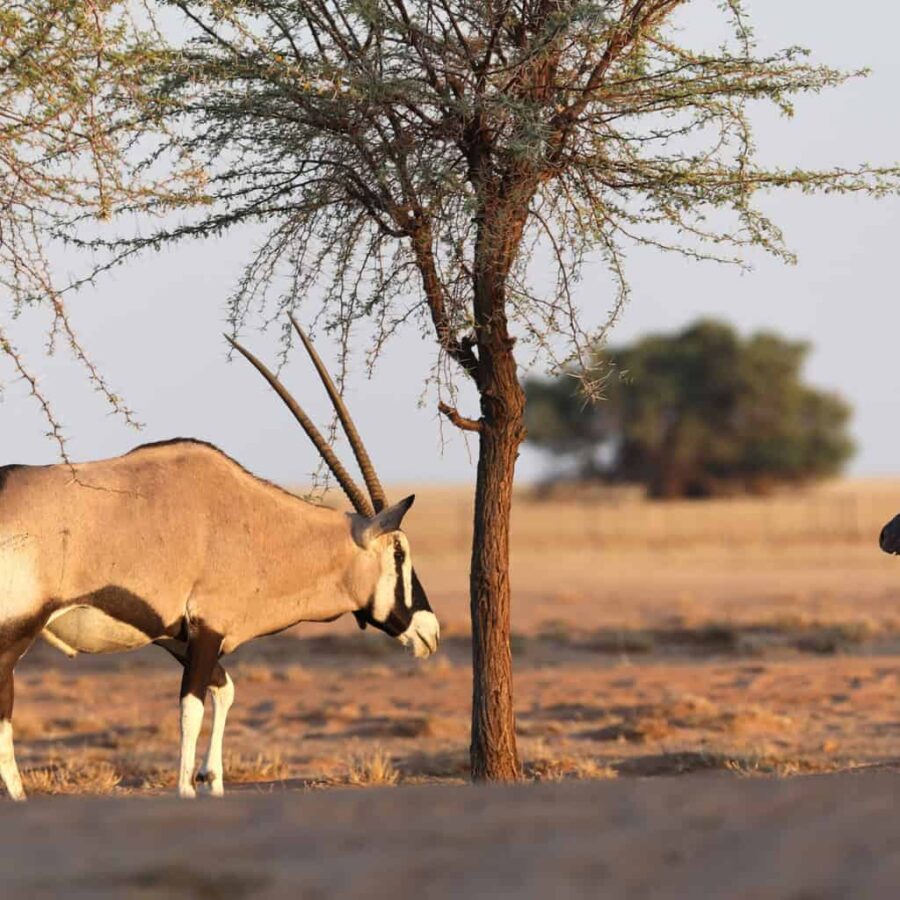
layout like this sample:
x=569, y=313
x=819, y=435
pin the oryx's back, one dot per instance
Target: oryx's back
x=137, y=526
x=70, y=531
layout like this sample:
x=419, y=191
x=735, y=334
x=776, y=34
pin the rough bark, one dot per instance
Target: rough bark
x=494, y=755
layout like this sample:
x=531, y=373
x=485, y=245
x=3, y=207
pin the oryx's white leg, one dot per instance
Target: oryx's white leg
x=211, y=772
x=191, y=723
x=202, y=658
x=9, y=656
x=9, y=771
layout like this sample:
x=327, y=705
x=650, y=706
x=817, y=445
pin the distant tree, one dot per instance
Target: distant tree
x=696, y=413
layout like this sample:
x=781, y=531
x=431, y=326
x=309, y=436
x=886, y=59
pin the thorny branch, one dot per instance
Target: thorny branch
x=407, y=156
x=68, y=72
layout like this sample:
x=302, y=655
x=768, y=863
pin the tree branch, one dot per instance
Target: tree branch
x=458, y=420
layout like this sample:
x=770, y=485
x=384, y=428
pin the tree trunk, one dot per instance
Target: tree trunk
x=494, y=755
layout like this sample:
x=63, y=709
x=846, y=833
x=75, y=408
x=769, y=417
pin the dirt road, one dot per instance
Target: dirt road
x=713, y=836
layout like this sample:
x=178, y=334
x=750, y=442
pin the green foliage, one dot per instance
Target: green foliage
x=408, y=155
x=71, y=82
x=697, y=413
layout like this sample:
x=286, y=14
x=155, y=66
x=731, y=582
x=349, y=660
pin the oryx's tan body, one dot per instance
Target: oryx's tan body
x=115, y=554
x=178, y=545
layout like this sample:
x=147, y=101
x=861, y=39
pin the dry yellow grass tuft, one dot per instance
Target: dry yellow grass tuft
x=568, y=767
x=245, y=768
x=768, y=765
x=66, y=777
x=373, y=768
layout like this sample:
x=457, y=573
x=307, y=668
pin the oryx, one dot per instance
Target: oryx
x=889, y=539
x=177, y=545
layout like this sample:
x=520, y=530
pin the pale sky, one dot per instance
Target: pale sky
x=154, y=327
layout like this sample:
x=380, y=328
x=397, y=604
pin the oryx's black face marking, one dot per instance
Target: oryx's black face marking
x=890, y=536
x=400, y=598
x=396, y=604
x=408, y=593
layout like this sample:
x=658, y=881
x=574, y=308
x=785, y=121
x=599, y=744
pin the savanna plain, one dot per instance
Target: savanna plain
x=685, y=642
x=758, y=636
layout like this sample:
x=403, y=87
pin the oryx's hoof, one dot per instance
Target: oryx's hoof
x=212, y=781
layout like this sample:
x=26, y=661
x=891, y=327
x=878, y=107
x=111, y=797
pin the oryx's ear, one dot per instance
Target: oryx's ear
x=366, y=530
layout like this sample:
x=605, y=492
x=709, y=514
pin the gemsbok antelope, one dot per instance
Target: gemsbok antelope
x=889, y=539
x=177, y=545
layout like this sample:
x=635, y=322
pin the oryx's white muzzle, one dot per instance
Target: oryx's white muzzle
x=423, y=634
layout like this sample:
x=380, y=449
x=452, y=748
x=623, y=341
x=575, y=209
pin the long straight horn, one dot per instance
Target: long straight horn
x=348, y=485
x=376, y=491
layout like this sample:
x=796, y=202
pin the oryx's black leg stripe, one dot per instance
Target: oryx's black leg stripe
x=203, y=651
x=217, y=679
x=204, y=647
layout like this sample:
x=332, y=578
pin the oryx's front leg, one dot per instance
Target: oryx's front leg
x=211, y=772
x=203, y=649
x=222, y=689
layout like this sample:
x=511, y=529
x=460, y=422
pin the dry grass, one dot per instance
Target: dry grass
x=767, y=765
x=247, y=768
x=372, y=768
x=751, y=763
x=839, y=511
x=80, y=776
x=568, y=767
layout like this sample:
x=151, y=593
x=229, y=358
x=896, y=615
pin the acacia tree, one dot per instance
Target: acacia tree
x=410, y=157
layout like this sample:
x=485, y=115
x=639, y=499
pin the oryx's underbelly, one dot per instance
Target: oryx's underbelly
x=89, y=630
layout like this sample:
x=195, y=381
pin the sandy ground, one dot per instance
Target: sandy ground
x=750, y=655
x=324, y=711
x=708, y=837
